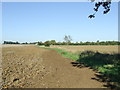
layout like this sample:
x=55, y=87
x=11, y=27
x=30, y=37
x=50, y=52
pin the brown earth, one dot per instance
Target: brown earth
x=33, y=67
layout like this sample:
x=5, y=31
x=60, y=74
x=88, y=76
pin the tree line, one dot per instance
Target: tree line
x=11, y=42
x=53, y=42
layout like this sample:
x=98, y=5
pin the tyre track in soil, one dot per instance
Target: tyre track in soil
x=33, y=67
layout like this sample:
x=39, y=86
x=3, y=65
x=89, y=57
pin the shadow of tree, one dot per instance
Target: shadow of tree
x=107, y=66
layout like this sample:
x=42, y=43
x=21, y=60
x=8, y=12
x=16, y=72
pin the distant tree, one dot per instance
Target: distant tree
x=40, y=43
x=106, y=4
x=33, y=43
x=77, y=43
x=97, y=41
x=68, y=39
x=4, y=42
x=26, y=43
x=63, y=43
x=52, y=42
x=17, y=42
x=47, y=43
x=10, y=42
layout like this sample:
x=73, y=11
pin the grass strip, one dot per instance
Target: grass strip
x=64, y=53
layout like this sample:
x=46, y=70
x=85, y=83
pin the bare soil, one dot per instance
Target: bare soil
x=33, y=67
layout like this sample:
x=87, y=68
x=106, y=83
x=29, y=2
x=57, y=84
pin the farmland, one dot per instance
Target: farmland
x=81, y=48
x=34, y=67
x=103, y=59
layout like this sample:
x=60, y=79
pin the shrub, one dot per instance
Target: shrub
x=47, y=45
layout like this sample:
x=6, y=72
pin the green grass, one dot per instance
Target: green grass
x=64, y=53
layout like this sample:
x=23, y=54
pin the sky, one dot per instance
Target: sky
x=42, y=21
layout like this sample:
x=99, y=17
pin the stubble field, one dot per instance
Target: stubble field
x=80, y=48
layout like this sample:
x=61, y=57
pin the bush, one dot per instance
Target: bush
x=47, y=45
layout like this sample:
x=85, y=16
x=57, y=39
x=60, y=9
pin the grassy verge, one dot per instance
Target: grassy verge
x=64, y=53
x=107, y=64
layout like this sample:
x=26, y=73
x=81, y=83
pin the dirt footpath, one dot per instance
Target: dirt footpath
x=33, y=67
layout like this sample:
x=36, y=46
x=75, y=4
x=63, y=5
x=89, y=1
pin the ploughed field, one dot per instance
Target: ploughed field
x=34, y=67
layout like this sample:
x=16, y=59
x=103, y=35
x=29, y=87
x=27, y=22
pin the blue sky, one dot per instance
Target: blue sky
x=41, y=21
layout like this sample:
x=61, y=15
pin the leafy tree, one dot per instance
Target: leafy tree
x=40, y=43
x=53, y=42
x=47, y=43
x=106, y=4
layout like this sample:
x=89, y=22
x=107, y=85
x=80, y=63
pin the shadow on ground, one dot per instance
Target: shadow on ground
x=106, y=66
